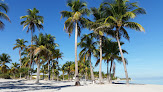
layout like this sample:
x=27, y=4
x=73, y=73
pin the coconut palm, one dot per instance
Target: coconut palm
x=3, y=7
x=32, y=21
x=68, y=68
x=4, y=59
x=63, y=71
x=39, y=52
x=111, y=53
x=120, y=14
x=20, y=44
x=75, y=20
x=50, y=44
x=14, y=68
x=98, y=26
x=88, y=46
x=56, y=55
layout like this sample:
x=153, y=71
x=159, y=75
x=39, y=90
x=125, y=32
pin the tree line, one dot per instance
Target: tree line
x=108, y=26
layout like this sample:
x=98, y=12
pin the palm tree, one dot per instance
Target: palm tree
x=84, y=68
x=68, y=68
x=75, y=21
x=99, y=33
x=88, y=47
x=33, y=21
x=3, y=7
x=120, y=14
x=50, y=44
x=39, y=52
x=4, y=59
x=14, y=68
x=63, y=71
x=111, y=53
x=20, y=44
x=56, y=55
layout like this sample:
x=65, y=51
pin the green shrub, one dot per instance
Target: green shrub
x=5, y=76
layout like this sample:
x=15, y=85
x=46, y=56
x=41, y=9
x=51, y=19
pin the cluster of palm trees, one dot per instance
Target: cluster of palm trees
x=107, y=28
x=110, y=20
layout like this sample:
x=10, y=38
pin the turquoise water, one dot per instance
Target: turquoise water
x=158, y=81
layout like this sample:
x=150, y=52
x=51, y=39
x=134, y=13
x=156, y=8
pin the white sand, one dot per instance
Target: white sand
x=53, y=86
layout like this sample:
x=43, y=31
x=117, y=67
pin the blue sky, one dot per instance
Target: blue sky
x=145, y=49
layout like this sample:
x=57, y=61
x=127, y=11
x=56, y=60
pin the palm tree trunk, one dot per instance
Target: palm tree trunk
x=20, y=61
x=108, y=70
x=100, y=70
x=124, y=64
x=77, y=83
x=85, y=76
x=38, y=71
x=53, y=71
x=43, y=73
x=110, y=79
x=49, y=69
x=30, y=57
x=63, y=75
x=91, y=69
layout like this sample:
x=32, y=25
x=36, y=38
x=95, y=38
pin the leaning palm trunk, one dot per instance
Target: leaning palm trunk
x=124, y=64
x=110, y=79
x=91, y=69
x=77, y=83
x=20, y=61
x=100, y=73
x=38, y=72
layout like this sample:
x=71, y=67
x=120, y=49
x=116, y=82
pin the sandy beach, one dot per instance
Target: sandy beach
x=10, y=85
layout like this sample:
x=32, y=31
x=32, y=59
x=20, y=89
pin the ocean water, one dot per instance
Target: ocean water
x=156, y=81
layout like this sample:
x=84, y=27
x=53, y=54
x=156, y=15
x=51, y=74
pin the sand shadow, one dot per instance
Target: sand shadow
x=19, y=86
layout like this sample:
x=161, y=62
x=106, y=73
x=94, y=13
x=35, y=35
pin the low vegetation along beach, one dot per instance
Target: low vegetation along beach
x=40, y=62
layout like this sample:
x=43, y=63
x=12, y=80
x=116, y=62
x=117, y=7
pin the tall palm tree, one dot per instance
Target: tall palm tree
x=120, y=14
x=33, y=21
x=14, y=68
x=20, y=44
x=99, y=33
x=4, y=59
x=75, y=21
x=3, y=7
x=88, y=46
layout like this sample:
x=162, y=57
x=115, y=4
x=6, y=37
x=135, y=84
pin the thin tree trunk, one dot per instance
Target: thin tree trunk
x=38, y=71
x=20, y=61
x=124, y=64
x=107, y=70
x=110, y=79
x=63, y=75
x=30, y=56
x=57, y=78
x=100, y=67
x=53, y=71
x=91, y=69
x=43, y=73
x=49, y=69
x=68, y=76
x=77, y=83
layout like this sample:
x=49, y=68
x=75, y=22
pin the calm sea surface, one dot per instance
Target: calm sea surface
x=158, y=81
